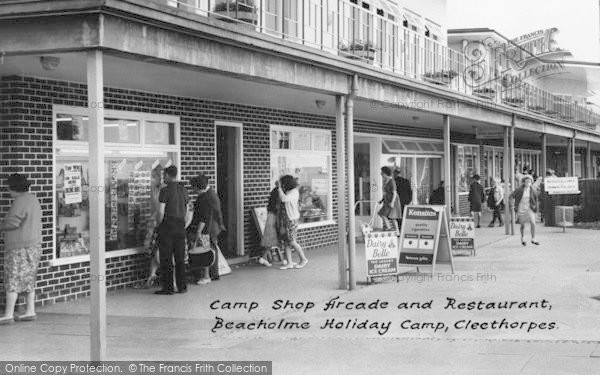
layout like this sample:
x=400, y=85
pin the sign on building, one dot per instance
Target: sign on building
x=562, y=185
x=73, y=193
x=424, y=239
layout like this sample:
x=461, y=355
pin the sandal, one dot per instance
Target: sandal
x=535, y=242
x=288, y=266
x=4, y=321
x=302, y=264
x=25, y=318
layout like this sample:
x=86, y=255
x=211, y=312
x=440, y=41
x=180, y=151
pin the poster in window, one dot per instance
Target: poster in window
x=72, y=183
x=321, y=142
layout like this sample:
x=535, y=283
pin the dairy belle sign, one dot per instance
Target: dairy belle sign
x=381, y=253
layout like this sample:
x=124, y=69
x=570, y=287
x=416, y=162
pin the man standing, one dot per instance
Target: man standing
x=172, y=209
x=404, y=191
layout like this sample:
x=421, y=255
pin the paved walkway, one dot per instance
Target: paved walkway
x=564, y=270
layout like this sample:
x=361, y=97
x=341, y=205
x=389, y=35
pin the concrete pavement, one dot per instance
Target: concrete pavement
x=564, y=270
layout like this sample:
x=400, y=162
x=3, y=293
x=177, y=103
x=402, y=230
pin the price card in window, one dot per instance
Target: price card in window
x=155, y=164
x=320, y=186
x=138, y=165
x=121, y=164
x=73, y=193
x=168, y=164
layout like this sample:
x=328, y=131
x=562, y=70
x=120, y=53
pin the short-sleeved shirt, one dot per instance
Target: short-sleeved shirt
x=175, y=197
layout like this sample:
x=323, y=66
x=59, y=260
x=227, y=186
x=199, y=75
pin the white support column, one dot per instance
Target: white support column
x=447, y=165
x=95, y=81
x=569, y=157
x=343, y=238
x=512, y=168
x=572, y=158
x=350, y=159
x=506, y=178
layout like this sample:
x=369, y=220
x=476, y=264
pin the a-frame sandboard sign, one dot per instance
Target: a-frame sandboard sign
x=424, y=237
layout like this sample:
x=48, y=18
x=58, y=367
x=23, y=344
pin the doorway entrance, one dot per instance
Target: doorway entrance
x=229, y=186
x=423, y=171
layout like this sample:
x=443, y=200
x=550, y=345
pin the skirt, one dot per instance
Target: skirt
x=526, y=217
x=20, y=269
x=291, y=231
x=270, y=238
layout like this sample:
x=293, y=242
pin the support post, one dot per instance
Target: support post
x=572, y=149
x=447, y=165
x=588, y=160
x=350, y=159
x=343, y=237
x=569, y=157
x=512, y=168
x=543, y=160
x=95, y=82
x=506, y=178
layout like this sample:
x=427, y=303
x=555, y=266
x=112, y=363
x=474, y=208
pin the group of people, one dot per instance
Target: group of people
x=180, y=225
x=524, y=200
x=281, y=229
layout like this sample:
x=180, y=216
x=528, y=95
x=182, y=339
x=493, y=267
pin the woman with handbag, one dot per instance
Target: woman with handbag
x=289, y=217
x=391, y=209
x=525, y=206
x=206, y=225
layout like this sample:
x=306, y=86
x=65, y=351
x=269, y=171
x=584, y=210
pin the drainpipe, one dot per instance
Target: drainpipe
x=350, y=161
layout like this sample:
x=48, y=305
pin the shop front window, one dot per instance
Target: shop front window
x=309, y=161
x=132, y=179
x=467, y=161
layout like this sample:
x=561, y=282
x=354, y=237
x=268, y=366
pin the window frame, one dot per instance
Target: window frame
x=111, y=147
x=329, y=220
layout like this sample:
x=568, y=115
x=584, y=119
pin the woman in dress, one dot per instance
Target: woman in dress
x=391, y=209
x=495, y=198
x=207, y=220
x=525, y=204
x=151, y=240
x=22, y=229
x=271, y=237
x=289, y=216
x=476, y=198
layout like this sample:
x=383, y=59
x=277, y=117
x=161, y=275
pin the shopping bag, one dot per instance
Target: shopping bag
x=224, y=268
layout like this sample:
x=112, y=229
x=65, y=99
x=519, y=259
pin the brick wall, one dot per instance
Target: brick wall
x=26, y=134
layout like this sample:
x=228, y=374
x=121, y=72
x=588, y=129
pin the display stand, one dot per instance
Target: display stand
x=381, y=255
x=462, y=234
x=424, y=238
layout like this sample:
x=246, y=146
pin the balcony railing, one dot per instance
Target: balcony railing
x=343, y=28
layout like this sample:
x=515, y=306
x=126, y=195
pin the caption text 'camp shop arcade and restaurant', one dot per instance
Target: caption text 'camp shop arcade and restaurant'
x=249, y=91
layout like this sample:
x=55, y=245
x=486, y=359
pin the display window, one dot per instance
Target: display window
x=305, y=154
x=467, y=162
x=133, y=175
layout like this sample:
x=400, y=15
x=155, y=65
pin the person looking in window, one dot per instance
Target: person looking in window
x=22, y=227
x=173, y=200
x=391, y=209
x=289, y=216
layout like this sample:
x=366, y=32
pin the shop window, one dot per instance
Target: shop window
x=159, y=133
x=132, y=178
x=312, y=169
x=467, y=162
x=121, y=131
x=280, y=140
x=71, y=127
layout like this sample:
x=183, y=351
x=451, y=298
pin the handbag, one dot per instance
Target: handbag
x=201, y=254
x=224, y=268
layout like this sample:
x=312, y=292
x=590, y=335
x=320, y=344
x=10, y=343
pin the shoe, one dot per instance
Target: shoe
x=479, y=226
x=25, y=318
x=302, y=264
x=164, y=292
x=491, y=225
x=288, y=266
x=264, y=262
x=523, y=243
x=203, y=282
x=4, y=321
x=535, y=242
x=182, y=291
x=284, y=262
x=501, y=224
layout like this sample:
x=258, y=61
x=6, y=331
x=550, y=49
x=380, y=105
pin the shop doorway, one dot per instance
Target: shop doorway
x=229, y=186
x=423, y=171
x=366, y=177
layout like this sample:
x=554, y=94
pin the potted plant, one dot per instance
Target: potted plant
x=233, y=9
x=514, y=101
x=442, y=77
x=485, y=92
x=359, y=50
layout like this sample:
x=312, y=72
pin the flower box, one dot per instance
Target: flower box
x=486, y=92
x=359, y=50
x=234, y=11
x=443, y=77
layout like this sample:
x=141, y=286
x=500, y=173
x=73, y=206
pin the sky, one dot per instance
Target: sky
x=577, y=20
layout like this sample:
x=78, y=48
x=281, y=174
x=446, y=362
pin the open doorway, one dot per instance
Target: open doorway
x=229, y=186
